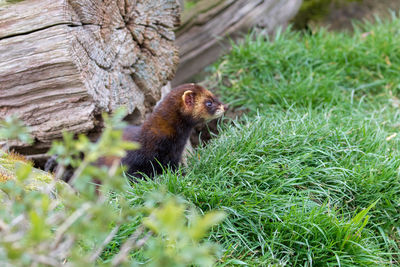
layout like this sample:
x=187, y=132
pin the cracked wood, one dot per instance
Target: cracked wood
x=63, y=62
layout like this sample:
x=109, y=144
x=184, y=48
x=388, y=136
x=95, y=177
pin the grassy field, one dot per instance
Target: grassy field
x=310, y=175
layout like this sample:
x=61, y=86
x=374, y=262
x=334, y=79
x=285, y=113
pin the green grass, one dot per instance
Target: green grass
x=189, y=4
x=311, y=175
x=291, y=182
x=322, y=69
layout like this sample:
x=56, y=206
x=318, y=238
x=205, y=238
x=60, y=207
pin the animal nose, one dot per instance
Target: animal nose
x=225, y=107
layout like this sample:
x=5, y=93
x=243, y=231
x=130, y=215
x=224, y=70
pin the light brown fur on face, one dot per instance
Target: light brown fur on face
x=186, y=102
x=197, y=106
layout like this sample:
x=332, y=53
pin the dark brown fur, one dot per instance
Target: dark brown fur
x=164, y=134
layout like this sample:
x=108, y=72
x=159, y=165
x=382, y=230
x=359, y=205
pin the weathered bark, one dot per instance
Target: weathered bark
x=201, y=38
x=63, y=62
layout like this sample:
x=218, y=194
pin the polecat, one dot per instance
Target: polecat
x=165, y=132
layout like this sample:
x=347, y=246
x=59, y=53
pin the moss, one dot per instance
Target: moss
x=17, y=157
x=190, y=4
x=8, y=2
x=8, y=170
x=5, y=175
x=315, y=10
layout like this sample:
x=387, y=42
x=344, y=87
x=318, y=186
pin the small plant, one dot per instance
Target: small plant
x=72, y=225
x=12, y=129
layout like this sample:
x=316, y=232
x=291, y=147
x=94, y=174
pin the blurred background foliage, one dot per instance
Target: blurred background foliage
x=334, y=14
x=339, y=14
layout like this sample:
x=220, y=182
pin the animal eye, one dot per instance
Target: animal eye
x=208, y=103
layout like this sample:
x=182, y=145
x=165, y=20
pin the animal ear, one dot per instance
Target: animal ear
x=188, y=98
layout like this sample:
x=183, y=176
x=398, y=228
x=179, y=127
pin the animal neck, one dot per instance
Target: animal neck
x=169, y=124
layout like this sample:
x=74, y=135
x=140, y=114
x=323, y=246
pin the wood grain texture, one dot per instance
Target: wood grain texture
x=202, y=36
x=63, y=62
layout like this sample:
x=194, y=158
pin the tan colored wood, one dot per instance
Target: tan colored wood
x=63, y=62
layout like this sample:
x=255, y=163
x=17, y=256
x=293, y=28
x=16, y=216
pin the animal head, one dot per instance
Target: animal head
x=200, y=103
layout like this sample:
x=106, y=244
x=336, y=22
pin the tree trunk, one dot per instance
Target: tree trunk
x=201, y=38
x=63, y=62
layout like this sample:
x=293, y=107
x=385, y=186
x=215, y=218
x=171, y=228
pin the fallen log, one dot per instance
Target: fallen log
x=63, y=62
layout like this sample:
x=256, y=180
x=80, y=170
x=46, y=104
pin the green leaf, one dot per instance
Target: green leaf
x=203, y=224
